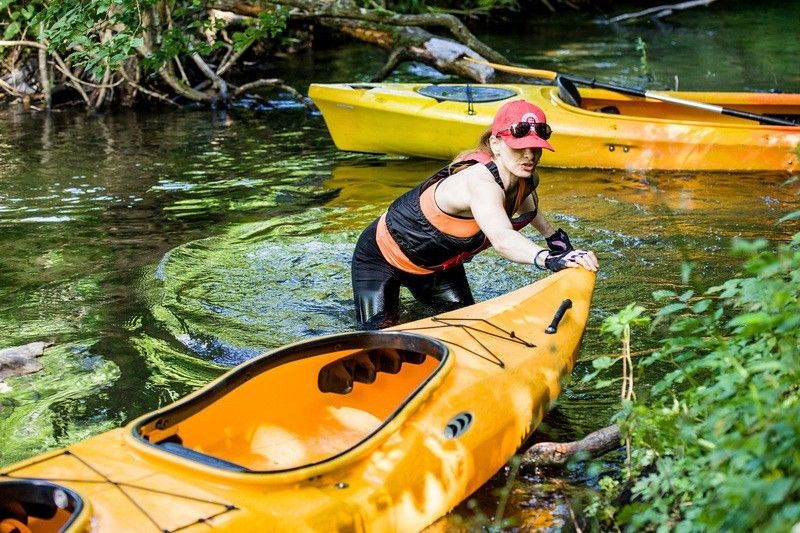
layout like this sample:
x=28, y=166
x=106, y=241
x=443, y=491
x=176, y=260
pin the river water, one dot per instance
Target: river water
x=157, y=249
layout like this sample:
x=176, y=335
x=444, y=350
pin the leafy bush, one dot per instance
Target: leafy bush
x=105, y=33
x=717, y=444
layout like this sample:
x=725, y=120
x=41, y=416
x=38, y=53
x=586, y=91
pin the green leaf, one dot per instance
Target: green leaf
x=745, y=247
x=791, y=216
x=752, y=322
x=11, y=31
x=663, y=294
x=701, y=306
x=603, y=383
x=686, y=271
x=602, y=363
x=778, y=489
x=671, y=308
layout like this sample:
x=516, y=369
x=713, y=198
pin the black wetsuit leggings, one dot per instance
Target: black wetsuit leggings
x=376, y=285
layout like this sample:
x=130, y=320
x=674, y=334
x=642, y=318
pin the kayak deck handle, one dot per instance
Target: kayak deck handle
x=553, y=327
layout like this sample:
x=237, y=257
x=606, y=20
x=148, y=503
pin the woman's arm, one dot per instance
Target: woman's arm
x=542, y=225
x=486, y=203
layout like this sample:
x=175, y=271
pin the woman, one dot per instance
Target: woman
x=426, y=235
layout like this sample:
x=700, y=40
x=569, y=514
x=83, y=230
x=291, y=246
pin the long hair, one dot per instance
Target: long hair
x=458, y=164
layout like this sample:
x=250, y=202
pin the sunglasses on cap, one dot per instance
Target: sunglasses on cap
x=522, y=129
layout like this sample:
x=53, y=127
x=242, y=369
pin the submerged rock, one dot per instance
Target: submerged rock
x=20, y=360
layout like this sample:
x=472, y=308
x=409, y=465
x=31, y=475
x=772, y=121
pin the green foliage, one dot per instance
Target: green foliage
x=267, y=25
x=83, y=31
x=614, y=325
x=717, y=445
x=423, y=6
x=644, y=65
x=613, y=328
x=103, y=34
x=16, y=17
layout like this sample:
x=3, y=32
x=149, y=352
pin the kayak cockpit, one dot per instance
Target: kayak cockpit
x=35, y=505
x=301, y=405
x=616, y=103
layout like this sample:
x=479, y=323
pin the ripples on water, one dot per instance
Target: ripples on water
x=157, y=250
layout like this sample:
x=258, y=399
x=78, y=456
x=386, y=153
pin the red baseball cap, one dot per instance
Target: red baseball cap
x=520, y=111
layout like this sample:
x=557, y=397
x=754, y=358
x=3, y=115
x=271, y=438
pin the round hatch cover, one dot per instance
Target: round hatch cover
x=466, y=93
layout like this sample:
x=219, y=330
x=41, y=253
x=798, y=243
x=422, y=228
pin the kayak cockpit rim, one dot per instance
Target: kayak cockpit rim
x=162, y=430
x=51, y=506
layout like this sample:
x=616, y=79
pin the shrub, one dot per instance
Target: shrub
x=716, y=446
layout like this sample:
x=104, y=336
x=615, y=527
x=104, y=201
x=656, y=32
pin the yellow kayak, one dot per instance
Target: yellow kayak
x=607, y=130
x=361, y=431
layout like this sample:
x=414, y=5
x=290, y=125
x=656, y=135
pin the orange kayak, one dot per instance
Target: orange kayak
x=360, y=431
x=607, y=130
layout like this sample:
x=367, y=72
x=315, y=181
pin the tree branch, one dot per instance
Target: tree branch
x=44, y=76
x=217, y=81
x=166, y=71
x=348, y=10
x=273, y=82
x=558, y=453
x=661, y=11
x=147, y=91
x=9, y=89
x=33, y=44
x=73, y=80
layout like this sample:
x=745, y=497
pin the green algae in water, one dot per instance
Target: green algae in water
x=64, y=403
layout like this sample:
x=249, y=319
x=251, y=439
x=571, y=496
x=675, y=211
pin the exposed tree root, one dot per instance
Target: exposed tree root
x=558, y=453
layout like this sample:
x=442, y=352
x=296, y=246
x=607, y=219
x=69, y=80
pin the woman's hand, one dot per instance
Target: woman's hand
x=572, y=259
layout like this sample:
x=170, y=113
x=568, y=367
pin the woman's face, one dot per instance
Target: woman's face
x=520, y=163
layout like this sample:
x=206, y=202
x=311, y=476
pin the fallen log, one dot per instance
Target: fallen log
x=557, y=453
x=20, y=360
x=660, y=11
x=403, y=36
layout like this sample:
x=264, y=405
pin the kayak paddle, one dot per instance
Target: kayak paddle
x=550, y=75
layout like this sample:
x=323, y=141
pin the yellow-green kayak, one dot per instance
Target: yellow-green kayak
x=607, y=130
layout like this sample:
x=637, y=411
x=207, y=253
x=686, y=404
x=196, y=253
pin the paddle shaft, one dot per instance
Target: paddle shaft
x=550, y=75
x=680, y=101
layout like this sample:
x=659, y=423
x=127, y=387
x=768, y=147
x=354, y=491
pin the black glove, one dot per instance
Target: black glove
x=558, y=242
x=556, y=262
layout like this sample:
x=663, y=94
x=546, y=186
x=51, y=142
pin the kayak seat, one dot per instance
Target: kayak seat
x=362, y=367
x=567, y=91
